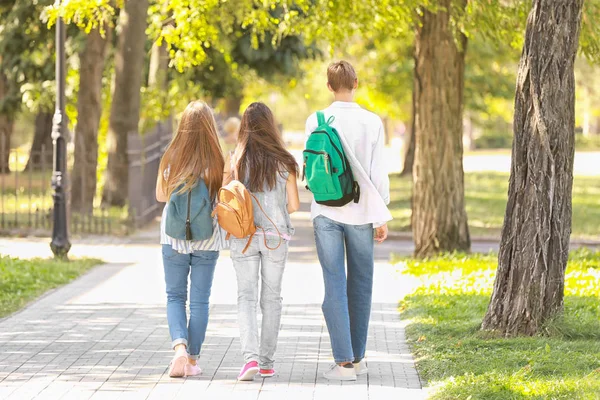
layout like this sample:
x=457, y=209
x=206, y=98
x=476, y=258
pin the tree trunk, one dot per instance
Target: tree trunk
x=439, y=216
x=89, y=112
x=6, y=128
x=232, y=105
x=409, y=154
x=529, y=284
x=159, y=66
x=125, y=107
x=596, y=126
x=41, y=147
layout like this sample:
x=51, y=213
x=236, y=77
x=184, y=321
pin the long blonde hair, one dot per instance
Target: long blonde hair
x=194, y=152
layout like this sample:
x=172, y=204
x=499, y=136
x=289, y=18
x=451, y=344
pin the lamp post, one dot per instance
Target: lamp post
x=60, y=244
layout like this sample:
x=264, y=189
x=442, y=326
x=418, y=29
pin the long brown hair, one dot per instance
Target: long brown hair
x=261, y=153
x=194, y=152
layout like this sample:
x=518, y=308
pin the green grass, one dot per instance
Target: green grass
x=485, y=199
x=589, y=143
x=21, y=281
x=461, y=362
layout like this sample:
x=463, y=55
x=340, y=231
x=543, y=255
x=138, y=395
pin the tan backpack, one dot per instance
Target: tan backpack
x=234, y=212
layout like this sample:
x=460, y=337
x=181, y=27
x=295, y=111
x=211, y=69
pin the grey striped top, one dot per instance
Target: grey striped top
x=215, y=243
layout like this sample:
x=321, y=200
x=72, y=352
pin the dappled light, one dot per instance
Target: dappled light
x=444, y=317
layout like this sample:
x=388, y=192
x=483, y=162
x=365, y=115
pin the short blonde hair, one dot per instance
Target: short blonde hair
x=341, y=75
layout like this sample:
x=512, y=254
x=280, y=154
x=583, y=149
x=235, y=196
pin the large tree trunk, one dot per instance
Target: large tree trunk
x=409, y=154
x=6, y=128
x=439, y=216
x=529, y=284
x=89, y=112
x=41, y=147
x=125, y=107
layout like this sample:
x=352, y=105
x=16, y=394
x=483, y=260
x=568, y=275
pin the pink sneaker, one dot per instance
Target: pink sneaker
x=192, y=370
x=267, y=373
x=248, y=371
x=177, y=366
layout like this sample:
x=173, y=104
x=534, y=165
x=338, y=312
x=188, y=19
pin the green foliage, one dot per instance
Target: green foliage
x=461, y=362
x=270, y=60
x=485, y=198
x=85, y=14
x=589, y=40
x=591, y=143
x=27, y=56
x=21, y=281
x=494, y=140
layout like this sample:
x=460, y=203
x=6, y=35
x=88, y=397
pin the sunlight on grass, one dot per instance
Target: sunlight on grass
x=21, y=281
x=485, y=202
x=461, y=362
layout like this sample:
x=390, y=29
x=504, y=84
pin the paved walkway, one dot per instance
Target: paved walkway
x=105, y=335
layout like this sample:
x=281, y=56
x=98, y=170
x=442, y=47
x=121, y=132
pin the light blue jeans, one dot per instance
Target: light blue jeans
x=347, y=304
x=200, y=266
x=268, y=265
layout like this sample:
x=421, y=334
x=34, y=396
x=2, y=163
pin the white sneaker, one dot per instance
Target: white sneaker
x=360, y=367
x=345, y=373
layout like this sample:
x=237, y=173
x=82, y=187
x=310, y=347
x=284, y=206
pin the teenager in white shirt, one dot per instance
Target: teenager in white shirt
x=352, y=229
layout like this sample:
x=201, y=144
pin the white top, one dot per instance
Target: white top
x=362, y=135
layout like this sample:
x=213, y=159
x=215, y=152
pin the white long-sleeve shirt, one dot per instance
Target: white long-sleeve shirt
x=362, y=136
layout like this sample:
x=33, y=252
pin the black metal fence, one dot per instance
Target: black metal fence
x=26, y=194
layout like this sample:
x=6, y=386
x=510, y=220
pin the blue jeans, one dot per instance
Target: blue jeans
x=347, y=304
x=177, y=268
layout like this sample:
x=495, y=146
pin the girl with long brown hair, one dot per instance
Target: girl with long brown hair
x=194, y=155
x=269, y=171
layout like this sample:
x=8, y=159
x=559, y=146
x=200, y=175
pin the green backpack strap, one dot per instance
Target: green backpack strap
x=320, y=118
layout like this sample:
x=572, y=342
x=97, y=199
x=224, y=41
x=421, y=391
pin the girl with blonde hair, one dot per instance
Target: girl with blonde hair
x=192, y=158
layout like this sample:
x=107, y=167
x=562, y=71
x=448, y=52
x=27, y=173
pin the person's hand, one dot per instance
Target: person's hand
x=381, y=233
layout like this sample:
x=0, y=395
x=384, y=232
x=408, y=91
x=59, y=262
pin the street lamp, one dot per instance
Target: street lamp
x=60, y=244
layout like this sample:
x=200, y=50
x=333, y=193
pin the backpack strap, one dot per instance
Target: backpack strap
x=263, y=229
x=248, y=243
x=320, y=118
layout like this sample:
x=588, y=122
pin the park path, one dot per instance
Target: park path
x=105, y=336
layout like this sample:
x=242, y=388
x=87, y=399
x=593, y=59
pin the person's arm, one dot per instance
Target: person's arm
x=379, y=177
x=161, y=195
x=293, y=200
x=381, y=233
x=227, y=175
x=379, y=172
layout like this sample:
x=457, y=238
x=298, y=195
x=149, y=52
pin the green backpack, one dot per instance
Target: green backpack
x=326, y=168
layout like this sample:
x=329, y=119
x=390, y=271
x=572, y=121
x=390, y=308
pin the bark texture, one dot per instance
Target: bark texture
x=125, y=107
x=439, y=216
x=89, y=112
x=42, y=141
x=529, y=286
